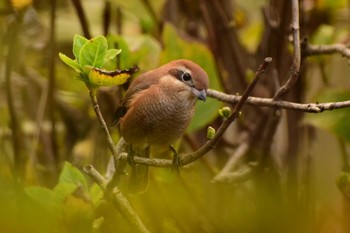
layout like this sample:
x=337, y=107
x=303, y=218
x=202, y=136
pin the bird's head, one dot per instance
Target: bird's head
x=190, y=74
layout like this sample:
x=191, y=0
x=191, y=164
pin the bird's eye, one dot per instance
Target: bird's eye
x=186, y=77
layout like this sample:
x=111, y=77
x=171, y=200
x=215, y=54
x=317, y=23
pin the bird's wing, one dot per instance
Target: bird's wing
x=143, y=82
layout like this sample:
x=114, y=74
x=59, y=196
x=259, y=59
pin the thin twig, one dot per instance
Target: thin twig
x=95, y=175
x=52, y=85
x=269, y=102
x=13, y=33
x=296, y=56
x=82, y=18
x=233, y=161
x=236, y=176
x=311, y=50
x=103, y=124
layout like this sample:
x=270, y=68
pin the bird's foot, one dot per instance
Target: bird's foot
x=176, y=160
x=130, y=158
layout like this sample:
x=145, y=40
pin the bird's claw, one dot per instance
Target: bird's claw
x=176, y=160
x=130, y=157
x=131, y=160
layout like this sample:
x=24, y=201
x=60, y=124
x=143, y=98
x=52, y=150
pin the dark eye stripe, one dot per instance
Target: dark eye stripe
x=182, y=76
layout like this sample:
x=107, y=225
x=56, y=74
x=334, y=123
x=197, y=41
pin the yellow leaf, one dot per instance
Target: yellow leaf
x=99, y=77
x=20, y=4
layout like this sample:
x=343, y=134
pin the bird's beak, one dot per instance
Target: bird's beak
x=202, y=95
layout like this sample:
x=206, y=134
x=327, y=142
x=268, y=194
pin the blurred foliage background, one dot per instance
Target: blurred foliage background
x=297, y=163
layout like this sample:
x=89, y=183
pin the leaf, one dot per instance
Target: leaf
x=78, y=43
x=20, y=4
x=323, y=35
x=141, y=11
x=100, y=77
x=142, y=50
x=96, y=194
x=93, y=52
x=44, y=196
x=70, y=62
x=176, y=48
x=72, y=175
x=63, y=190
x=111, y=54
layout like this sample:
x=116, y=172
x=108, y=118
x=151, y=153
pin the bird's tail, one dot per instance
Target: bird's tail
x=138, y=182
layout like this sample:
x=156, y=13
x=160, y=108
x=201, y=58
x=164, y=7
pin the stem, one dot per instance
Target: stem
x=52, y=84
x=13, y=32
x=82, y=18
x=100, y=118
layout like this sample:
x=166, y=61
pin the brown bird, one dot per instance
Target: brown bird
x=156, y=110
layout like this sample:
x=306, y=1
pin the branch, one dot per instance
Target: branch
x=117, y=199
x=311, y=50
x=51, y=104
x=234, y=177
x=10, y=64
x=279, y=104
x=82, y=18
x=296, y=56
x=103, y=124
x=95, y=175
x=232, y=162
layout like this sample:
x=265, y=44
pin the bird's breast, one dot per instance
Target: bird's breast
x=158, y=116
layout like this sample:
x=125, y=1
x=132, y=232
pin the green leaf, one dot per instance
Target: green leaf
x=93, y=52
x=44, y=196
x=323, y=35
x=78, y=43
x=145, y=51
x=96, y=194
x=142, y=12
x=70, y=62
x=72, y=175
x=63, y=190
x=111, y=54
x=177, y=48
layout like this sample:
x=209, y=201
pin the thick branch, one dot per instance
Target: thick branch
x=296, y=56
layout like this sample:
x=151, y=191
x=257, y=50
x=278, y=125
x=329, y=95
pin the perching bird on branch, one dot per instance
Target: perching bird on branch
x=156, y=110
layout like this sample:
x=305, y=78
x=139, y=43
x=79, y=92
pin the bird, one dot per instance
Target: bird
x=156, y=110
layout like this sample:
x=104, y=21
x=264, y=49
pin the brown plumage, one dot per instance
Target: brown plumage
x=158, y=106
